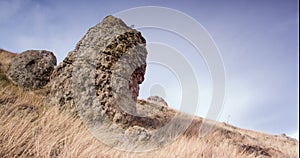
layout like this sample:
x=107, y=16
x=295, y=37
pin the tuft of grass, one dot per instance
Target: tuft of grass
x=5, y=58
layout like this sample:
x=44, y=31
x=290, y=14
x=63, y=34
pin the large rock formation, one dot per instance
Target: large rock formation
x=32, y=68
x=99, y=81
x=100, y=78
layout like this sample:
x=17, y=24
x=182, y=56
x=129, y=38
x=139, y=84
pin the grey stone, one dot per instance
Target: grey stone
x=137, y=133
x=32, y=68
x=158, y=100
x=100, y=78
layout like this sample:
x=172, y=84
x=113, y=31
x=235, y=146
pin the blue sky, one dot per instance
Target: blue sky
x=257, y=39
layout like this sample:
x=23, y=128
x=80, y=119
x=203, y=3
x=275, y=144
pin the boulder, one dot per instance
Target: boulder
x=159, y=101
x=99, y=82
x=32, y=69
x=100, y=78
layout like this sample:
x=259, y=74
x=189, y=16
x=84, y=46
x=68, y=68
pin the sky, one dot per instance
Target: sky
x=257, y=40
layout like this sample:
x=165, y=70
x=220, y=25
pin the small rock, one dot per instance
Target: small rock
x=283, y=135
x=137, y=133
x=32, y=68
x=159, y=101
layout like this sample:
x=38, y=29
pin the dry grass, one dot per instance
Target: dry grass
x=5, y=58
x=27, y=129
x=30, y=128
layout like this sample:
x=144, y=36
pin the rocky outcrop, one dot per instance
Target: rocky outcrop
x=32, y=68
x=99, y=82
x=100, y=78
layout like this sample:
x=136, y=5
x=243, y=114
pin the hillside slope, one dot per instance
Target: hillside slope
x=29, y=127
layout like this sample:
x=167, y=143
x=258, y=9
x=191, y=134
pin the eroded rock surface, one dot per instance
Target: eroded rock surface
x=101, y=76
x=32, y=68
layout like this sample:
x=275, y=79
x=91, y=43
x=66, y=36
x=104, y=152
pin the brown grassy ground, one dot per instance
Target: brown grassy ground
x=30, y=128
x=5, y=59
